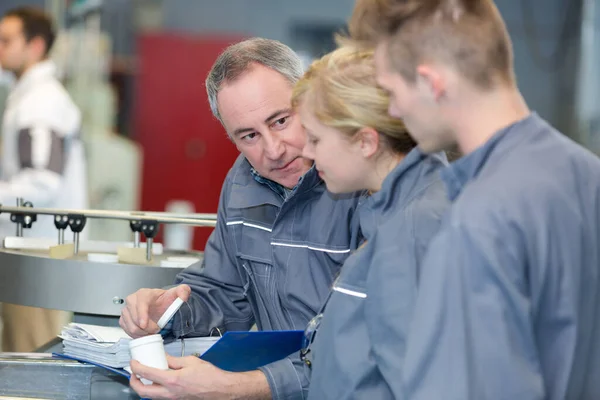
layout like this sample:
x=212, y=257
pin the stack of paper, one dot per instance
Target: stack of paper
x=110, y=346
x=99, y=344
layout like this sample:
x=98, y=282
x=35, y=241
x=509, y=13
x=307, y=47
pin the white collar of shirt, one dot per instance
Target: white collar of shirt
x=6, y=78
x=39, y=72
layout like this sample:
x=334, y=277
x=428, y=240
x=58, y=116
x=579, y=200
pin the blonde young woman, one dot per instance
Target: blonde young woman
x=359, y=336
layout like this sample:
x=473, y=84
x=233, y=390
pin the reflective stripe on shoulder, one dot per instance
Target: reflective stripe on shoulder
x=350, y=292
x=306, y=246
x=248, y=224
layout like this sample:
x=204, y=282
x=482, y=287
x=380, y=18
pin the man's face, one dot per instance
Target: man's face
x=414, y=103
x=14, y=49
x=257, y=114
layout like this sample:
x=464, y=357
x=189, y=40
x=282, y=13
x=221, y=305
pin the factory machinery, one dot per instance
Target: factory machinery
x=91, y=279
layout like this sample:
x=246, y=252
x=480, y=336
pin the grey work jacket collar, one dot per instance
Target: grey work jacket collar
x=398, y=187
x=468, y=167
x=246, y=192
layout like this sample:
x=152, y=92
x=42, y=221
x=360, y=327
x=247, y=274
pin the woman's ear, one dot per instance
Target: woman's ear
x=368, y=141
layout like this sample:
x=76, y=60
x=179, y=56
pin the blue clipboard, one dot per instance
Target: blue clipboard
x=246, y=351
x=119, y=371
x=237, y=351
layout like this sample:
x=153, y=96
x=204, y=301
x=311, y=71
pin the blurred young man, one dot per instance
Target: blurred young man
x=42, y=156
x=509, y=298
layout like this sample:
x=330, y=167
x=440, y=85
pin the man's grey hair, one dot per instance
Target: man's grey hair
x=239, y=58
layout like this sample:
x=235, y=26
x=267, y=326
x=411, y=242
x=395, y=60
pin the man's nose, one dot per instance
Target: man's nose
x=274, y=147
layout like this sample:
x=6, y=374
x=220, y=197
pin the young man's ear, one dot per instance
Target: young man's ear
x=37, y=46
x=368, y=141
x=431, y=80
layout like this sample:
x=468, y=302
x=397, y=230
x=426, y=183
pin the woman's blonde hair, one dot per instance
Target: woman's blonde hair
x=343, y=94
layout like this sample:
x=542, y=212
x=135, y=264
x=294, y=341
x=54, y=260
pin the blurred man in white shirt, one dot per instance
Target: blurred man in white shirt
x=42, y=155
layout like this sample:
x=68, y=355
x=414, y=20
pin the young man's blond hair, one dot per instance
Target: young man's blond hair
x=468, y=35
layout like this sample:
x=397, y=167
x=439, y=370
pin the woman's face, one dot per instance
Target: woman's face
x=337, y=157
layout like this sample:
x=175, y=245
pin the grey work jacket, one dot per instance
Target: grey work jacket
x=269, y=261
x=359, y=347
x=509, y=299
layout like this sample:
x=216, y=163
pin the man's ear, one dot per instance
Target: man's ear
x=368, y=141
x=432, y=81
x=37, y=47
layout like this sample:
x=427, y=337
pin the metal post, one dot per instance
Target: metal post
x=77, y=223
x=150, y=229
x=136, y=239
x=61, y=222
x=163, y=218
x=19, y=225
x=76, y=243
x=149, y=248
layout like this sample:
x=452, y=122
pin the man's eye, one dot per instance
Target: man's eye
x=249, y=136
x=281, y=122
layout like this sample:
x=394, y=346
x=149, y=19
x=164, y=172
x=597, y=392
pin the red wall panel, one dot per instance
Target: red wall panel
x=186, y=151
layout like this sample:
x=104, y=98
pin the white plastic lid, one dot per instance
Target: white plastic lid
x=172, y=264
x=103, y=257
x=184, y=260
x=145, y=340
x=166, y=317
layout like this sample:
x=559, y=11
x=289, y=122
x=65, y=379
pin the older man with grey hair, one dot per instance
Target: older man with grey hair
x=280, y=238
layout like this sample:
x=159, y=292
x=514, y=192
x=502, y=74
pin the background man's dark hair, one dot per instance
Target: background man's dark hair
x=36, y=23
